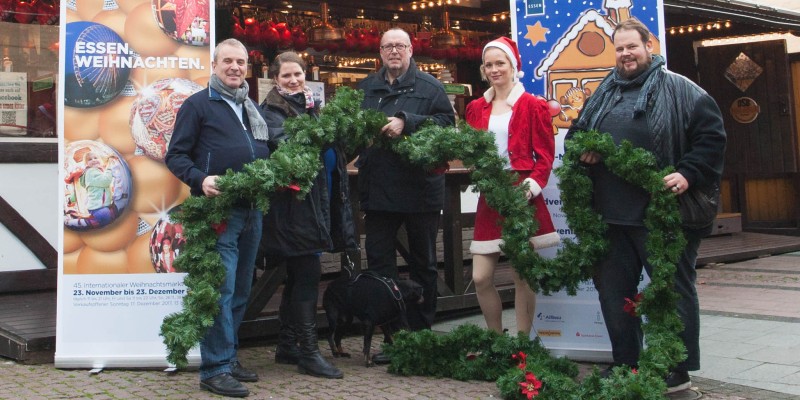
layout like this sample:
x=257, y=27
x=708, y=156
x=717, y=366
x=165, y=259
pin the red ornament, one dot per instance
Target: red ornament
x=23, y=12
x=238, y=31
x=47, y=13
x=363, y=42
x=252, y=33
x=553, y=107
x=350, y=43
x=270, y=36
x=255, y=54
x=285, y=38
x=301, y=42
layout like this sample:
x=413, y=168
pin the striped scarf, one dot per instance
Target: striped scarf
x=307, y=93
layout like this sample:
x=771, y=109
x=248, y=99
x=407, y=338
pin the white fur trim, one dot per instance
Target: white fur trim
x=489, y=95
x=520, y=74
x=533, y=186
x=516, y=92
x=544, y=241
x=485, y=246
x=514, y=95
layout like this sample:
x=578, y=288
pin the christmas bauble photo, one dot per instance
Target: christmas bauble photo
x=152, y=116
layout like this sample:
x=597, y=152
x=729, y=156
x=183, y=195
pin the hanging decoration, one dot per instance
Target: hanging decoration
x=325, y=34
x=39, y=12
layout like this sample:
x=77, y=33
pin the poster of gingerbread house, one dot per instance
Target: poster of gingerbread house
x=566, y=46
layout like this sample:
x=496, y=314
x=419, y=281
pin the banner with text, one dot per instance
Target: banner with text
x=126, y=69
x=566, y=52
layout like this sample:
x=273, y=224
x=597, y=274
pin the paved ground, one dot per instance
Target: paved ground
x=750, y=328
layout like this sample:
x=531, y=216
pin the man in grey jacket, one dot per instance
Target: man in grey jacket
x=392, y=191
x=670, y=116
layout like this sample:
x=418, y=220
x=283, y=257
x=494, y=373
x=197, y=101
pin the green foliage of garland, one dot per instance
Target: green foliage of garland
x=572, y=265
x=296, y=162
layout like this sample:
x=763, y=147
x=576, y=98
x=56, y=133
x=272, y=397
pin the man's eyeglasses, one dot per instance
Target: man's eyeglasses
x=387, y=48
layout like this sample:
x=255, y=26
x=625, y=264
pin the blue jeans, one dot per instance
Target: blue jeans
x=237, y=246
x=617, y=277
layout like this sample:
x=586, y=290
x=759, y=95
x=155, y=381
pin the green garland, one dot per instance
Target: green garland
x=572, y=265
x=297, y=162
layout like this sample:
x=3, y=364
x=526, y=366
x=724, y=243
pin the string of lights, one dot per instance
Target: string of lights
x=708, y=26
x=430, y=4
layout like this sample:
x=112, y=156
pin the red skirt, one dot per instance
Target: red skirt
x=489, y=226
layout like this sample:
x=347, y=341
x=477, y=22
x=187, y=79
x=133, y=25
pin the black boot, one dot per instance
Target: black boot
x=311, y=362
x=287, y=351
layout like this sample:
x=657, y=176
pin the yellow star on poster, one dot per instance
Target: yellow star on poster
x=536, y=33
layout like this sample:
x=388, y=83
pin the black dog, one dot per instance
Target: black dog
x=373, y=299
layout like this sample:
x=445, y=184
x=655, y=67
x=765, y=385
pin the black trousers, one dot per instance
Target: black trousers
x=618, y=276
x=381, y=230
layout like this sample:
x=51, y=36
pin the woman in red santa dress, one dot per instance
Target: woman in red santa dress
x=523, y=132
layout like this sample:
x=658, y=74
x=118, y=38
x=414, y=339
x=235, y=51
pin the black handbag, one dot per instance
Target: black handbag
x=699, y=206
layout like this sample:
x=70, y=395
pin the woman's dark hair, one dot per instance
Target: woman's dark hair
x=285, y=57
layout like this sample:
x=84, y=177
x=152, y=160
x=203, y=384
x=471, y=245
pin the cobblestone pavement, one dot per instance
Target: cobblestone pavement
x=279, y=381
x=751, y=305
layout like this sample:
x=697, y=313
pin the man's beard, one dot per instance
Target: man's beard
x=640, y=69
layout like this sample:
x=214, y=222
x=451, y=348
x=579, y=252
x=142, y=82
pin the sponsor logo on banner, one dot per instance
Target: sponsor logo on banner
x=549, y=332
x=549, y=317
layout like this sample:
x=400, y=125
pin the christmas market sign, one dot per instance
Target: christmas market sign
x=296, y=162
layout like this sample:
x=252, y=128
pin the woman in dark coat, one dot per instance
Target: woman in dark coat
x=297, y=231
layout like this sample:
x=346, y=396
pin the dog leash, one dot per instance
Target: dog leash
x=350, y=266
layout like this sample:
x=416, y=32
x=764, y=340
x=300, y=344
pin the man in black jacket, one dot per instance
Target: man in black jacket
x=670, y=116
x=215, y=130
x=392, y=191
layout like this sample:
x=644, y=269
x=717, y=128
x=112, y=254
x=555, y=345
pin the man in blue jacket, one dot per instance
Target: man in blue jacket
x=392, y=191
x=215, y=130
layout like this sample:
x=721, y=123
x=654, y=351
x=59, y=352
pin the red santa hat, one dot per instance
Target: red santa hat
x=509, y=47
